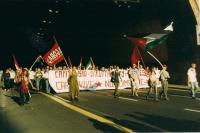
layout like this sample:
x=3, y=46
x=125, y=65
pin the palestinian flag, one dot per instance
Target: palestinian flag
x=169, y=27
x=148, y=41
x=135, y=55
x=90, y=65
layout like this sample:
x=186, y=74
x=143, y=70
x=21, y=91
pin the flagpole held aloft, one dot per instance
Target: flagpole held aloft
x=35, y=62
x=140, y=56
x=155, y=58
x=60, y=48
x=66, y=62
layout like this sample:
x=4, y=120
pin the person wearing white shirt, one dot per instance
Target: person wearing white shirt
x=12, y=76
x=192, y=79
x=153, y=84
x=134, y=79
x=46, y=79
x=164, y=76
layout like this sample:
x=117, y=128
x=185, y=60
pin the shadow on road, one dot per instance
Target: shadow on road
x=167, y=123
x=5, y=125
x=135, y=126
x=104, y=127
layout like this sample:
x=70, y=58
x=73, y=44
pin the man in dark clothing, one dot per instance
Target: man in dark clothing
x=115, y=75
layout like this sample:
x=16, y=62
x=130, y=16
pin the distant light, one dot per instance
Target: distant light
x=124, y=35
x=38, y=33
x=67, y=1
x=56, y=11
x=129, y=6
x=57, y=1
x=125, y=2
x=50, y=22
x=116, y=2
x=44, y=21
x=119, y=5
x=50, y=10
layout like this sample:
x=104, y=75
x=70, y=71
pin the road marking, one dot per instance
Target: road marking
x=130, y=99
x=192, y=110
x=89, y=114
x=124, y=98
x=178, y=89
x=183, y=96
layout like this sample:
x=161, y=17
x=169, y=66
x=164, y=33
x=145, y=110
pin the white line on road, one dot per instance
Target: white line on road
x=192, y=110
x=124, y=98
x=130, y=99
x=124, y=129
x=183, y=96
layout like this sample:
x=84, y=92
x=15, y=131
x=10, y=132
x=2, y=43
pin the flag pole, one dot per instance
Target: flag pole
x=35, y=62
x=155, y=58
x=66, y=62
x=141, y=57
x=63, y=54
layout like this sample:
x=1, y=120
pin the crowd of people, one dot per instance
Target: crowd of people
x=24, y=79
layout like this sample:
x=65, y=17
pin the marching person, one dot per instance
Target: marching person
x=12, y=76
x=46, y=79
x=24, y=86
x=38, y=77
x=134, y=79
x=115, y=76
x=153, y=84
x=6, y=77
x=164, y=75
x=73, y=85
x=192, y=80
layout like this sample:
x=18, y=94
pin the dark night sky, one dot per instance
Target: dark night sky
x=82, y=28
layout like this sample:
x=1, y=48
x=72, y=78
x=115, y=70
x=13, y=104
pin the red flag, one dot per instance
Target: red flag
x=136, y=56
x=141, y=42
x=69, y=61
x=54, y=55
x=15, y=62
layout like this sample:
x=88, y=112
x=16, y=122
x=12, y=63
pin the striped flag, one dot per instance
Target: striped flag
x=148, y=41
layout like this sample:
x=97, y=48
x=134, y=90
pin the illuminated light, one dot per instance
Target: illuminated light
x=38, y=33
x=124, y=35
x=50, y=10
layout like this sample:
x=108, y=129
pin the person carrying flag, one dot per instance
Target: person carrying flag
x=24, y=86
x=134, y=78
x=164, y=76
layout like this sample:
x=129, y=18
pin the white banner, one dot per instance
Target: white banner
x=92, y=80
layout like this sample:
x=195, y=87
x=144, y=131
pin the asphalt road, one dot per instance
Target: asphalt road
x=42, y=115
